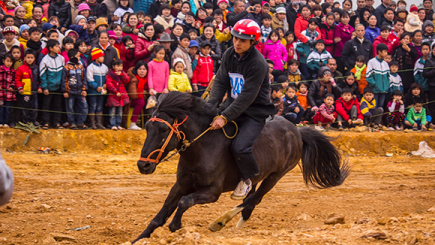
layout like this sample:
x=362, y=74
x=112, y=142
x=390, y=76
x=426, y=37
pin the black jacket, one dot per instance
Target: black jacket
x=232, y=17
x=255, y=17
x=253, y=97
x=62, y=10
x=429, y=72
x=343, y=84
x=155, y=8
x=109, y=54
x=215, y=47
x=291, y=15
x=379, y=13
x=353, y=48
x=314, y=99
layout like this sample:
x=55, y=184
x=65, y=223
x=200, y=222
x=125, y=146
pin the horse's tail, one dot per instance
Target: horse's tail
x=321, y=160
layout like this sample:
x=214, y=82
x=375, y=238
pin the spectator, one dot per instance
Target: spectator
x=344, y=31
x=208, y=35
x=355, y=47
x=293, y=9
x=319, y=88
x=62, y=10
x=380, y=10
x=372, y=31
x=118, y=98
x=378, y=74
x=137, y=89
x=145, y=44
x=238, y=14
x=327, y=31
x=419, y=68
x=372, y=114
x=429, y=73
x=396, y=111
x=413, y=22
x=275, y=51
x=427, y=4
x=110, y=52
x=348, y=109
x=405, y=55
x=124, y=7
x=165, y=18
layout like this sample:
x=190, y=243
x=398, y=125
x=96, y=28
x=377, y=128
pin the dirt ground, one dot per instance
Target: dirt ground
x=384, y=200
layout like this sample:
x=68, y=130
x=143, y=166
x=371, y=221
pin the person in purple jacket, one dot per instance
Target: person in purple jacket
x=343, y=31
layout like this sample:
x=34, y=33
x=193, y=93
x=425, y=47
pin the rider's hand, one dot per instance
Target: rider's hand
x=217, y=123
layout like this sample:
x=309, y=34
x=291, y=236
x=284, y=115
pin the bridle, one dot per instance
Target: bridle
x=174, y=130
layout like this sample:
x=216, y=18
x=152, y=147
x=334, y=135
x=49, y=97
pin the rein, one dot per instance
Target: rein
x=186, y=143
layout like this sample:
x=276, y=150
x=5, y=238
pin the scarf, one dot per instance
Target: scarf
x=10, y=44
x=34, y=45
x=125, y=8
x=156, y=60
x=359, y=71
x=324, y=84
x=141, y=86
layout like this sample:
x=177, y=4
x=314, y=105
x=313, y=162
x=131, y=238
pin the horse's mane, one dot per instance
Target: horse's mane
x=179, y=105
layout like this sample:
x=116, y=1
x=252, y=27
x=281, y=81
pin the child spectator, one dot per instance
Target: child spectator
x=26, y=79
x=265, y=28
x=405, y=55
x=118, y=97
x=81, y=46
x=50, y=70
x=302, y=95
x=293, y=111
x=193, y=33
x=278, y=19
x=419, y=67
x=181, y=52
x=427, y=28
x=74, y=87
x=388, y=58
x=24, y=35
x=158, y=72
x=327, y=31
x=81, y=28
x=271, y=65
x=291, y=46
x=348, y=109
x=326, y=113
x=276, y=94
x=193, y=53
x=360, y=71
x=223, y=5
x=378, y=77
x=67, y=45
x=414, y=92
x=395, y=79
x=396, y=111
x=283, y=80
x=349, y=82
x=178, y=80
x=96, y=74
x=295, y=75
x=304, y=49
x=7, y=89
x=16, y=54
x=416, y=117
x=275, y=51
x=372, y=115
x=417, y=37
x=203, y=73
x=10, y=41
x=318, y=58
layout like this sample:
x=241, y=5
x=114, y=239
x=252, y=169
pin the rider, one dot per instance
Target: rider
x=244, y=77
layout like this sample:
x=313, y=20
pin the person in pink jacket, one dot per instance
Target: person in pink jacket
x=343, y=31
x=158, y=72
x=301, y=24
x=275, y=51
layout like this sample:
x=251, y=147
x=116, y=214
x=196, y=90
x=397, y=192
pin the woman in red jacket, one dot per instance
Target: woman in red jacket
x=301, y=24
x=145, y=44
x=327, y=31
x=117, y=29
x=132, y=28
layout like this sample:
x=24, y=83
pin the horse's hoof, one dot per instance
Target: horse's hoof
x=216, y=226
x=174, y=228
x=241, y=223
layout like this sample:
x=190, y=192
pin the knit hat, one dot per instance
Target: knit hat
x=222, y=1
x=401, y=9
x=23, y=28
x=280, y=10
x=96, y=53
x=112, y=34
x=265, y=3
x=83, y=6
x=101, y=21
x=9, y=29
x=78, y=18
x=413, y=8
x=72, y=33
x=324, y=70
x=16, y=8
x=16, y=29
x=176, y=60
x=427, y=23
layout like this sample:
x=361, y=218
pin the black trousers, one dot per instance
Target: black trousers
x=249, y=130
x=52, y=102
x=29, y=102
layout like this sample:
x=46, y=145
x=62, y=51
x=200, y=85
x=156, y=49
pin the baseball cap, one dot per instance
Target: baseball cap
x=193, y=43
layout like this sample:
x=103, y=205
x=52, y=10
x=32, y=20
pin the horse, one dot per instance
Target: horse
x=207, y=168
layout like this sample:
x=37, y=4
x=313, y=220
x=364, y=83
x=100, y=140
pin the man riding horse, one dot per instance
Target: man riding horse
x=244, y=77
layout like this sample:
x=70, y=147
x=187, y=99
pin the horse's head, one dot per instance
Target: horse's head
x=163, y=136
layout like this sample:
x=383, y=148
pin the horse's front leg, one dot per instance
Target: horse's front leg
x=168, y=208
x=206, y=195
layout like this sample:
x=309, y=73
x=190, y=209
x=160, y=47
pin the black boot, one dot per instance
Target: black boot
x=99, y=117
x=92, y=119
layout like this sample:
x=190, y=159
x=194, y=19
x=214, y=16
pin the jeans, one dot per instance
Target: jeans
x=55, y=101
x=380, y=99
x=138, y=105
x=96, y=103
x=304, y=71
x=115, y=116
x=293, y=117
x=241, y=148
x=5, y=111
x=75, y=104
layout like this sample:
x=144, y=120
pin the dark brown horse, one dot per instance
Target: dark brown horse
x=206, y=169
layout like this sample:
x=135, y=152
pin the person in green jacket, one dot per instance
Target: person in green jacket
x=416, y=116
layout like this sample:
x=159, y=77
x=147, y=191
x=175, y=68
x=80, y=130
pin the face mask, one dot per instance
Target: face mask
x=74, y=60
x=304, y=2
x=296, y=2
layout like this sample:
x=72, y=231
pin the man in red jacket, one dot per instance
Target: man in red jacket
x=347, y=107
x=204, y=69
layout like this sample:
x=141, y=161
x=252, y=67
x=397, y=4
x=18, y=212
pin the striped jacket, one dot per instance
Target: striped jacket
x=367, y=107
x=418, y=74
x=316, y=60
x=96, y=76
x=378, y=75
x=50, y=71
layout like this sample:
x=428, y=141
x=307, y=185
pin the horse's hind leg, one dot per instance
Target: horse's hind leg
x=207, y=195
x=220, y=222
x=168, y=208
